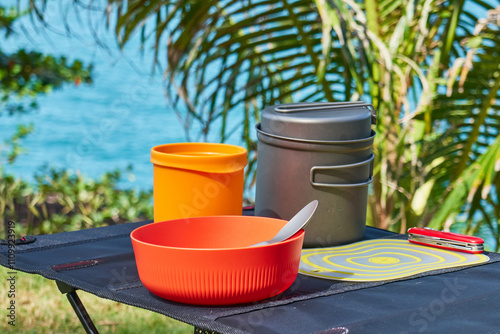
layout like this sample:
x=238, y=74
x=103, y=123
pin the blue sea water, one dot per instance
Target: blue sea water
x=112, y=123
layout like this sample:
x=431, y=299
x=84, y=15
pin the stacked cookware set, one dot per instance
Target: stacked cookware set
x=201, y=250
x=319, y=151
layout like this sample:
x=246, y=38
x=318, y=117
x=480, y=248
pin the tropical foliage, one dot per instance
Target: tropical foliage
x=25, y=74
x=61, y=201
x=430, y=68
x=58, y=200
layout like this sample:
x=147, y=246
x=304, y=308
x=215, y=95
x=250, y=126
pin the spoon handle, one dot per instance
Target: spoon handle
x=293, y=225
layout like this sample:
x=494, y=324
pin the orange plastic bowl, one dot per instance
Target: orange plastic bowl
x=207, y=261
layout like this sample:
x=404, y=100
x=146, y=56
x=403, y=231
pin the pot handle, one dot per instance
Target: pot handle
x=328, y=105
x=343, y=185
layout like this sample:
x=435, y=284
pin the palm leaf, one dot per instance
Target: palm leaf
x=429, y=67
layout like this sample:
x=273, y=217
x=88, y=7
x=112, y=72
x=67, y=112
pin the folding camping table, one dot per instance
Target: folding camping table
x=101, y=261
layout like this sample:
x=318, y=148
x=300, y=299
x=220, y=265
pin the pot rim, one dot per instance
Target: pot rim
x=312, y=141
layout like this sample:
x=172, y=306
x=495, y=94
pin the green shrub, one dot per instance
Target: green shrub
x=64, y=201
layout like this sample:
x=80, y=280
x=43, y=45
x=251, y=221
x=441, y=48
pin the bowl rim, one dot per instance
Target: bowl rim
x=293, y=238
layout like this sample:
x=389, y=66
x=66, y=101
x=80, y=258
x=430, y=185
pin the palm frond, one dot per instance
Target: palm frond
x=429, y=67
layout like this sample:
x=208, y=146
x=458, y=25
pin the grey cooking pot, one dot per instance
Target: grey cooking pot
x=317, y=151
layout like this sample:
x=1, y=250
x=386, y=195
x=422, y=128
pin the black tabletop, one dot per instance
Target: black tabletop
x=101, y=261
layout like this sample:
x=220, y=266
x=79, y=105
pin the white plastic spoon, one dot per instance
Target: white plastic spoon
x=293, y=226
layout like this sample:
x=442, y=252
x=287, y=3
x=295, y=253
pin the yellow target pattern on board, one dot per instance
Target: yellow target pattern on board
x=380, y=260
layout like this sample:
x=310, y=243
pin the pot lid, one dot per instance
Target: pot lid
x=332, y=121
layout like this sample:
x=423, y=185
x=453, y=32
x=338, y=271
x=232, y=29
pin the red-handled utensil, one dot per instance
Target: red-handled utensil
x=446, y=240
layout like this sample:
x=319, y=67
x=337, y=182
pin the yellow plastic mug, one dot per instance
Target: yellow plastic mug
x=197, y=179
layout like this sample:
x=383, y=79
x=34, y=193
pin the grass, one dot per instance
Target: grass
x=41, y=308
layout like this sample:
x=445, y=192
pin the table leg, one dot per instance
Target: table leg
x=78, y=307
x=84, y=317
